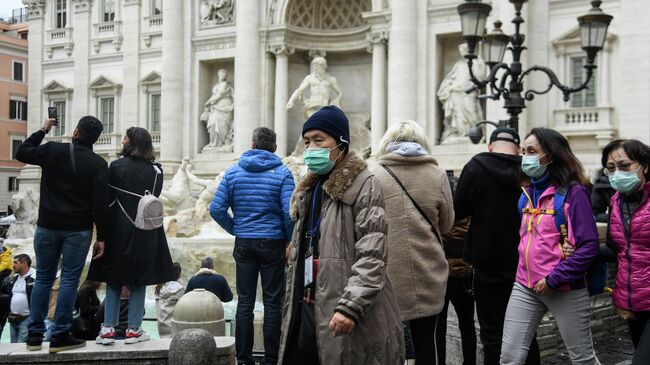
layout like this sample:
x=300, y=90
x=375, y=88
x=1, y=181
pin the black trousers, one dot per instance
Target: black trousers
x=458, y=294
x=266, y=258
x=640, y=332
x=302, y=348
x=492, y=290
x=423, y=335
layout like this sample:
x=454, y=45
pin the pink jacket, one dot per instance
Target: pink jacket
x=632, y=285
x=540, y=251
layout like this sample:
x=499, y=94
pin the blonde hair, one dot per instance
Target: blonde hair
x=407, y=131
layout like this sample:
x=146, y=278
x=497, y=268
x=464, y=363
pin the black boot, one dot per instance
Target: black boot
x=34, y=341
x=65, y=341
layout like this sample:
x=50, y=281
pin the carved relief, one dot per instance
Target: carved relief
x=35, y=8
x=216, y=12
x=81, y=6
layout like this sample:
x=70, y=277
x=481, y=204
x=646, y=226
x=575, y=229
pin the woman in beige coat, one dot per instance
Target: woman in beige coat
x=340, y=307
x=417, y=266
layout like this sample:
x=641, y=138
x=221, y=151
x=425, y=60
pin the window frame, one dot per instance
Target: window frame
x=153, y=8
x=60, y=130
x=12, y=151
x=109, y=127
x=152, y=112
x=13, y=70
x=13, y=183
x=60, y=14
x=103, y=14
x=577, y=75
x=20, y=108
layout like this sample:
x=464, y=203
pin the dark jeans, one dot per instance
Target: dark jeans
x=423, y=335
x=266, y=258
x=640, y=332
x=49, y=246
x=458, y=294
x=492, y=291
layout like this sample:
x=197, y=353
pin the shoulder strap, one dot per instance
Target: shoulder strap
x=523, y=199
x=72, y=161
x=433, y=228
x=558, y=207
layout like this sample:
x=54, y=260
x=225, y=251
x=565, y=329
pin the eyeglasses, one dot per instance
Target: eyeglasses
x=625, y=167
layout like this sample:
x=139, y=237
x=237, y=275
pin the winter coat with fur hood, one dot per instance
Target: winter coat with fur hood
x=352, y=276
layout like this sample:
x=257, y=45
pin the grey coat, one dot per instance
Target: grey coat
x=352, y=276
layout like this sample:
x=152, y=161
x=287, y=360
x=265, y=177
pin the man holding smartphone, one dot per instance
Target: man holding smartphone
x=74, y=195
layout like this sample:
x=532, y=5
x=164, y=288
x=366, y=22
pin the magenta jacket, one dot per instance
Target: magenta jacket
x=632, y=285
x=540, y=251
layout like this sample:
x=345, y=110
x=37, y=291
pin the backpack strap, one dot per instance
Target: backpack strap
x=155, y=180
x=72, y=161
x=560, y=216
x=435, y=232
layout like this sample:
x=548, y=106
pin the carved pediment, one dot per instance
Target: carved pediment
x=572, y=37
x=104, y=84
x=152, y=78
x=54, y=87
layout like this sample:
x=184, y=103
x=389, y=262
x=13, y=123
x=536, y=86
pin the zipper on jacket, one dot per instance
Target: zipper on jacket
x=628, y=238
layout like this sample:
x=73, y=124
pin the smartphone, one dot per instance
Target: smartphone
x=52, y=114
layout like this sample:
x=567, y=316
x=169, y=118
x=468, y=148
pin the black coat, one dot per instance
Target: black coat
x=488, y=191
x=68, y=202
x=133, y=257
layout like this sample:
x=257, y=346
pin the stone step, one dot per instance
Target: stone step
x=143, y=353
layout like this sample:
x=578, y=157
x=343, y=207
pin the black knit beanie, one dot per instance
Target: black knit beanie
x=331, y=120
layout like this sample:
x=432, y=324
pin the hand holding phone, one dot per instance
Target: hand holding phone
x=52, y=114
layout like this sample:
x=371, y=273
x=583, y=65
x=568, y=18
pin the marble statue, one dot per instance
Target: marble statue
x=205, y=195
x=178, y=190
x=215, y=12
x=461, y=110
x=218, y=115
x=25, y=207
x=320, y=85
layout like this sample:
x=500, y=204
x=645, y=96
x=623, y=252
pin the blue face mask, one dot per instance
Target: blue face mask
x=625, y=182
x=531, y=166
x=318, y=161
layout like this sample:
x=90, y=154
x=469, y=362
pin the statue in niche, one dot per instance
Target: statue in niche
x=461, y=110
x=215, y=12
x=320, y=85
x=218, y=115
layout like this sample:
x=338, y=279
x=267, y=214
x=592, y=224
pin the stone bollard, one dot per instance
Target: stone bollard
x=199, y=309
x=194, y=346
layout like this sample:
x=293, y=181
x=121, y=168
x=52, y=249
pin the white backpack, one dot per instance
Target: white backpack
x=150, y=213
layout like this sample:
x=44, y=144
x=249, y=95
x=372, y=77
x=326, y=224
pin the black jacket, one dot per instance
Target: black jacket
x=216, y=284
x=488, y=190
x=6, y=291
x=132, y=257
x=601, y=195
x=68, y=202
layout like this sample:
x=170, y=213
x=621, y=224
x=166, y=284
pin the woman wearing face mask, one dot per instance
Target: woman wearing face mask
x=417, y=267
x=548, y=280
x=340, y=307
x=627, y=164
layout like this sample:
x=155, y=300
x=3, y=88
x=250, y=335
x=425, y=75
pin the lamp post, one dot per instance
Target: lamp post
x=507, y=80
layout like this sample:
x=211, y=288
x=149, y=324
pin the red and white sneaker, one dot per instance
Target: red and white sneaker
x=106, y=335
x=135, y=336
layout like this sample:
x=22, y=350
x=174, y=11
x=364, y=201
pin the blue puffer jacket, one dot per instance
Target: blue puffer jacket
x=258, y=189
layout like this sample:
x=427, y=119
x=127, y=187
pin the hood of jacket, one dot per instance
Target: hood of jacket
x=259, y=160
x=504, y=169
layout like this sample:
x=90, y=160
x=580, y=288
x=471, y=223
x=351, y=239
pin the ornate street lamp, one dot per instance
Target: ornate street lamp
x=507, y=80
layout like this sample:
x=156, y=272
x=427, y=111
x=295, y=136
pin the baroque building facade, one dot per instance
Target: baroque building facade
x=152, y=63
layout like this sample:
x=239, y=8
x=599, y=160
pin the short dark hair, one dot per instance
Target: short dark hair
x=634, y=149
x=90, y=128
x=140, y=145
x=207, y=263
x=177, y=270
x=24, y=258
x=264, y=139
x=565, y=169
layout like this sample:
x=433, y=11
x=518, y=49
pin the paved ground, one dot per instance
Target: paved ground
x=615, y=349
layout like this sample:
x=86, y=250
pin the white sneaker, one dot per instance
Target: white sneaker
x=135, y=336
x=106, y=335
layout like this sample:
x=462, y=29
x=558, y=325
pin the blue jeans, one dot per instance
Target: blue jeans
x=49, y=246
x=18, y=331
x=136, y=306
x=266, y=258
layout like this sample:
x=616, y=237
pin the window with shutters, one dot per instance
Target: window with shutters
x=17, y=109
x=60, y=106
x=585, y=98
x=107, y=112
x=18, y=74
x=61, y=13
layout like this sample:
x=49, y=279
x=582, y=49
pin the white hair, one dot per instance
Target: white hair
x=407, y=131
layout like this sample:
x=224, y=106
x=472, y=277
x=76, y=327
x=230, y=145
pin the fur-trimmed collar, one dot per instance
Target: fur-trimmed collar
x=341, y=177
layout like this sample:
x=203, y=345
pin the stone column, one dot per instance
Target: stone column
x=130, y=98
x=378, y=101
x=402, y=62
x=172, y=85
x=247, y=73
x=281, y=53
x=81, y=33
x=30, y=174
